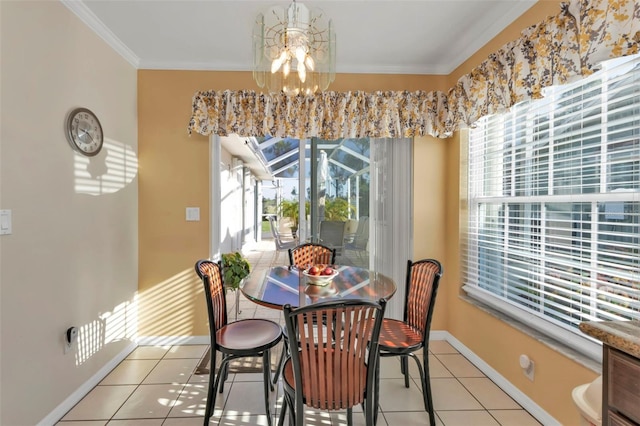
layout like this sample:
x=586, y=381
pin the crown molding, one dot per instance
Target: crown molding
x=359, y=69
x=490, y=32
x=91, y=20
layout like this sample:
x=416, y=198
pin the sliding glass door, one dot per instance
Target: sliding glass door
x=356, y=197
x=353, y=195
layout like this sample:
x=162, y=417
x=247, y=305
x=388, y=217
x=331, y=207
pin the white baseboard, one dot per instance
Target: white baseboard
x=172, y=340
x=521, y=398
x=66, y=405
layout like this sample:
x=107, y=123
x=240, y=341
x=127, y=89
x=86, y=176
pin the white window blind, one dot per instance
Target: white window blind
x=554, y=203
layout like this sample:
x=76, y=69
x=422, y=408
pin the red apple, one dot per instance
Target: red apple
x=327, y=271
x=314, y=270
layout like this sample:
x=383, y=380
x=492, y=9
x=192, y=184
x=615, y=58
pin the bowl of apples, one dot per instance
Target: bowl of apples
x=319, y=274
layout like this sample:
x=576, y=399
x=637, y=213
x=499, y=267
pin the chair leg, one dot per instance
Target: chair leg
x=404, y=367
x=224, y=372
x=211, y=396
x=350, y=416
x=426, y=385
x=283, y=410
x=426, y=388
x=375, y=399
x=288, y=402
x=292, y=417
x=299, y=410
x=283, y=356
x=266, y=369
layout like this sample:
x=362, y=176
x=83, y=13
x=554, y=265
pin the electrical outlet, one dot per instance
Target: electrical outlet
x=528, y=366
x=193, y=214
x=529, y=372
x=65, y=344
x=70, y=337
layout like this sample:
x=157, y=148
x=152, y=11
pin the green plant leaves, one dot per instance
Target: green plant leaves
x=235, y=268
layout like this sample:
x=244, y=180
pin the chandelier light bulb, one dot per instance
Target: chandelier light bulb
x=277, y=63
x=286, y=69
x=309, y=62
x=300, y=54
x=302, y=72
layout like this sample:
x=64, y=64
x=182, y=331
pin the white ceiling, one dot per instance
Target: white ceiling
x=373, y=36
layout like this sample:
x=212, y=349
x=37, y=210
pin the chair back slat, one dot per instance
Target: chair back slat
x=423, y=277
x=211, y=275
x=311, y=254
x=337, y=355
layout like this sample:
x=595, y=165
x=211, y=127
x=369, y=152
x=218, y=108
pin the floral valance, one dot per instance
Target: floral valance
x=562, y=48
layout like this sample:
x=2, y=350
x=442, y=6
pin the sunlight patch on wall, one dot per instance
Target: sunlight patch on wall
x=119, y=324
x=166, y=309
x=108, y=172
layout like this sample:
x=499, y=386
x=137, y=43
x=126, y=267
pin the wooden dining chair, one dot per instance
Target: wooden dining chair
x=311, y=254
x=404, y=338
x=302, y=256
x=238, y=339
x=335, y=366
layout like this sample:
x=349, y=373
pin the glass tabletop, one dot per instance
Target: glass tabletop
x=281, y=285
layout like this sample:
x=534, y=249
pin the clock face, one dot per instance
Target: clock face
x=84, y=132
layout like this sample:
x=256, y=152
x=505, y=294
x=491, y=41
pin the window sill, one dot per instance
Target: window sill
x=550, y=342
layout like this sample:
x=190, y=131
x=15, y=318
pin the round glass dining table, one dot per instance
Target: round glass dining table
x=281, y=285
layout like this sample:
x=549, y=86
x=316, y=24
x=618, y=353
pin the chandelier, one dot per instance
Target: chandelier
x=294, y=50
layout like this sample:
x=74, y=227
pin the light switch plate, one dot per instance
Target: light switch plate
x=193, y=214
x=5, y=222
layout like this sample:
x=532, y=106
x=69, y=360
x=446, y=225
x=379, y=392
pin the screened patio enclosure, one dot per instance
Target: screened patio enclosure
x=328, y=182
x=354, y=195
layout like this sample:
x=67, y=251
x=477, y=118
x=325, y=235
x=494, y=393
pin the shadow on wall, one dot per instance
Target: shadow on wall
x=119, y=324
x=165, y=311
x=108, y=172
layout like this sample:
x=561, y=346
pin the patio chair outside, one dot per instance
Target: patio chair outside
x=281, y=243
x=331, y=234
x=359, y=241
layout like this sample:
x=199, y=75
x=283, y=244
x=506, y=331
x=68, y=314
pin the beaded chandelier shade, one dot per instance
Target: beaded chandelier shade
x=294, y=50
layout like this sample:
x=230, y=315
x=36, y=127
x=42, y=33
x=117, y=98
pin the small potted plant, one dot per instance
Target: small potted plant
x=235, y=268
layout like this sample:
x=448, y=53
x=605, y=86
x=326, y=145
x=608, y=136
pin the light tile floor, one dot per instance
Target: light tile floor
x=156, y=385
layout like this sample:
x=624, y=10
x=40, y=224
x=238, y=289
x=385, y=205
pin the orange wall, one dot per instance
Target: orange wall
x=495, y=342
x=174, y=174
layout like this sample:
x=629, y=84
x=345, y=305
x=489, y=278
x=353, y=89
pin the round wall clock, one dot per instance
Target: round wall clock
x=84, y=132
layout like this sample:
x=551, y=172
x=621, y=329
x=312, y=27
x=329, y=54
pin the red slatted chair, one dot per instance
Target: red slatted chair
x=302, y=256
x=329, y=373
x=238, y=339
x=311, y=254
x=404, y=338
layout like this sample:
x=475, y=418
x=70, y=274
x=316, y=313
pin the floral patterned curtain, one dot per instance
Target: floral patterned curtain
x=562, y=48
